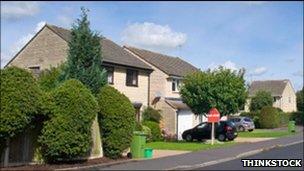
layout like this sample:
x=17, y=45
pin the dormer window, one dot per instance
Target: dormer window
x=175, y=85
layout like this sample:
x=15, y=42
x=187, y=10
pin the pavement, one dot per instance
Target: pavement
x=250, y=140
x=289, y=152
x=167, y=153
x=199, y=158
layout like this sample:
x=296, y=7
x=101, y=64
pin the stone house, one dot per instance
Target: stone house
x=167, y=76
x=284, y=96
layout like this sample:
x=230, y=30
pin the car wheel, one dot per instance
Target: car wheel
x=241, y=128
x=189, y=137
x=221, y=137
x=250, y=130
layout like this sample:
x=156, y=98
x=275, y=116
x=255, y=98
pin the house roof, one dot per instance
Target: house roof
x=275, y=87
x=173, y=66
x=112, y=53
x=176, y=103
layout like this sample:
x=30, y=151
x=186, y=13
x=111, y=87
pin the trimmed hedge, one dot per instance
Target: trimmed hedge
x=117, y=120
x=20, y=99
x=151, y=114
x=155, y=130
x=49, y=78
x=270, y=117
x=67, y=135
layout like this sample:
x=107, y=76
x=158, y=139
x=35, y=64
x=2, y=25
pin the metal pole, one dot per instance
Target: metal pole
x=212, y=134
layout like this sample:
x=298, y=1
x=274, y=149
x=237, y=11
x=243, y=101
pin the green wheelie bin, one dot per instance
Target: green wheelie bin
x=291, y=126
x=138, y=144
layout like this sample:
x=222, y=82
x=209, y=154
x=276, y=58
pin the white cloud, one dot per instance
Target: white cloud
x=18, y=10
x=152, y=36
x=226, y=65
x=259, y=71
x=6, y=56
x=65, y=18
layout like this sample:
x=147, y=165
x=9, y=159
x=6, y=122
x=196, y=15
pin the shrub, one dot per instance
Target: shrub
x=148, y=133
x=67, y=134
x=155, y=130
x=49, y=78
x=151, y=114
x=298, y=117
x=284, y=118
x=138, y=127
x=117, y=121
x=20, y=99
x=269, y=118
x=261, y=99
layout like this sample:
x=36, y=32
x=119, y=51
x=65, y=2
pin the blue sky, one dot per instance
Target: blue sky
x=266, y=38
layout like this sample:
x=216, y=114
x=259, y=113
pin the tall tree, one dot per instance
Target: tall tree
x=260, y=99
x=300, y=100
x=85, y=56
x=220, y=88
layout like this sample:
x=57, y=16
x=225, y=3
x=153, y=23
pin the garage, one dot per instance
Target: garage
x=184, y=121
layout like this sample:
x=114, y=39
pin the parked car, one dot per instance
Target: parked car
x=243, y=123
x=223, y=130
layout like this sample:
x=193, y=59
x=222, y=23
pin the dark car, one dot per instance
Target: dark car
x=223, y=130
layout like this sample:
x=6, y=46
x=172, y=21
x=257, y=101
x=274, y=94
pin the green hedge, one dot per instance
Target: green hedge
x=269, y=117
x=298, y=117
x=148, y=133
x=49, y=78
x=67, y=135
x=138, y=127
x=155, y=130
x=117, y=121
x=151, y=114
x=20, y=100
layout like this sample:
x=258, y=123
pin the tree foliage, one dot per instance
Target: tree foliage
x=220, y=88
x=68, y=132
x=300, y=100
x=20, y=99
x=85, y=56
x=259, y=100
x=117, y=120
x=49, y=78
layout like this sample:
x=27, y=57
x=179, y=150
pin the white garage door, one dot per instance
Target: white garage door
x=184, y=122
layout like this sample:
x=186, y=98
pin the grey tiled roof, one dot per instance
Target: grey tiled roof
x=275, y=87
x=170, y=65
x=112, y=53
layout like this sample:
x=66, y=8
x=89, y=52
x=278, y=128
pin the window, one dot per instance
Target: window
x=35, y=70
x=110, y=74
x=132, y=78
x=247, y=119
x=175, y=85
x=274, y=99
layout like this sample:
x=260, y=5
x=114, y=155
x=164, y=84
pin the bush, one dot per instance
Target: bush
x=284, y=118
x=67, y=134
x=20, y=99
x=298, y=117
x=269, y=118
x=148, y=133
x=151, y=114
x=117, y=121
x=49, y=78
x=138, y=127
x=261, y=99
x=155, y=130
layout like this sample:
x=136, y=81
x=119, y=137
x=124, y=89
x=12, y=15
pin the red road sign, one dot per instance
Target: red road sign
x=213, y=115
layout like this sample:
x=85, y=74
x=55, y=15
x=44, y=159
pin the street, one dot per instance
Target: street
x=289, y=152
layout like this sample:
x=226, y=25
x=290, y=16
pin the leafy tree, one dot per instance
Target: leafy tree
x=220, y=88
x=260, y=99
x=49, y=78
x=20, y=99
x=68, y=132
x=117, y=121
x=85, y=56
x=300, y=100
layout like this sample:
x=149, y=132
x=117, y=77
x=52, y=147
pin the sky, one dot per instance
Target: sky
x=265, y=38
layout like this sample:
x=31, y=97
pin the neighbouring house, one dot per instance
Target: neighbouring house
x=167, y=76
x=284, y=96
x=126, y=73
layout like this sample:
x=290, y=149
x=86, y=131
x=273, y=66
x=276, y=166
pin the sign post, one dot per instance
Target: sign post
x=213, y=116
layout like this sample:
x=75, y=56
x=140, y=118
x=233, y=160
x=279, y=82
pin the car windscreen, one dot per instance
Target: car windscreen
x=247, y=120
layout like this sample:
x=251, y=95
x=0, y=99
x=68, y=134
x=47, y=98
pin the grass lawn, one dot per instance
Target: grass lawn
x=186, y=146
x=265, y=133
